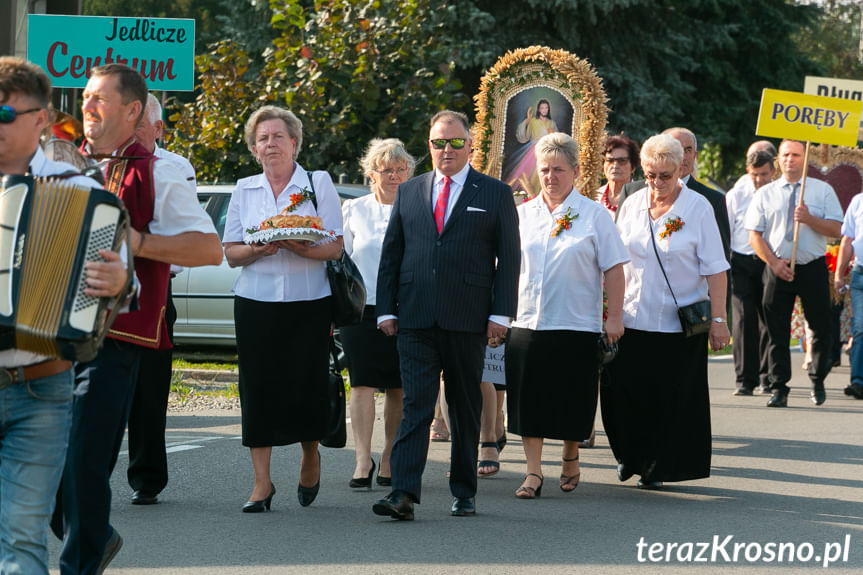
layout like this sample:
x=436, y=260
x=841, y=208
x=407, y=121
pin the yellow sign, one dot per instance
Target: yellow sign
x=803, y=117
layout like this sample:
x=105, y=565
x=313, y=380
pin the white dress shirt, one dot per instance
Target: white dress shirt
x=365, y=224
x=771, y=213
x=853, y=220
x=560, y=283
x=184, y=165
x=283, y=276
x=456, y=186
x=689, y=255
x=737, y=201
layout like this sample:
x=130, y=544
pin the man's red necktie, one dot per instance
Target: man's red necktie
x=440, y=205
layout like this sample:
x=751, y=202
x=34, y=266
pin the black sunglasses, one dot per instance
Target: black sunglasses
x=456, y=143
x=8, y=113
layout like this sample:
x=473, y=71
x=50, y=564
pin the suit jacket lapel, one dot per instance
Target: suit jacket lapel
x=467, y=194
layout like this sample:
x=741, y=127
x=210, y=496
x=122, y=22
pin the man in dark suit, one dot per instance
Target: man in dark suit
x=448, y=285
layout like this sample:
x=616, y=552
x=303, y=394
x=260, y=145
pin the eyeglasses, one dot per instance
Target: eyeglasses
x=613, y=160
x=390, y=171
x=8, y=114
x=653, y=177
x=456, y=143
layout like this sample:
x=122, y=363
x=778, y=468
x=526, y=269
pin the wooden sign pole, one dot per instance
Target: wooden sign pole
x=799, y=203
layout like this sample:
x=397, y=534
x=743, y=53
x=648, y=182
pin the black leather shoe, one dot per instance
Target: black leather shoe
x=144, y=498
x=260, y=505
x=778, y=399
x=854, y=390
x=361, y=482
x=398, y=505
x=650, y=485
x=463, y=506
x=623, y=472
x=818, y=395
x=306, y=495
x=112, y=547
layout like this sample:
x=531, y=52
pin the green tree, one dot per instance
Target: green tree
x=351, y=70
x=835, y=42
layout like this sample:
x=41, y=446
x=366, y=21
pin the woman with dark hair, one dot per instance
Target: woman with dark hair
x=619, y=161
x=282, y=306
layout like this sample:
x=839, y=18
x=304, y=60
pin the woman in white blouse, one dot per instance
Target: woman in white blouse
x=373, y=361
x=568, y=246
x=655, y=402
x=282, y=306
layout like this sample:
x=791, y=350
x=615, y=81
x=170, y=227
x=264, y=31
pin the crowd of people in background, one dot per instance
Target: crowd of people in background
x=452, y=266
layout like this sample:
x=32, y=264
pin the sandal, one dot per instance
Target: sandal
x=501, y=442
x=439, y=432
x=495, y=465
x=528, y=492
x=570, y=482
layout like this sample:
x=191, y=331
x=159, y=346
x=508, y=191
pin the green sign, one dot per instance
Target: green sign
x=67, y=47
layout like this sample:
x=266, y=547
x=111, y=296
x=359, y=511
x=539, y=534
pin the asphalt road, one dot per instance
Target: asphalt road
x=782, y=479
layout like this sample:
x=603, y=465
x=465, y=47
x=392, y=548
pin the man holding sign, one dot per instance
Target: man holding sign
x=770, y=220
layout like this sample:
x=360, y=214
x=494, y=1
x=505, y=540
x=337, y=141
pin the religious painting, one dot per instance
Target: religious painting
x=527, y=94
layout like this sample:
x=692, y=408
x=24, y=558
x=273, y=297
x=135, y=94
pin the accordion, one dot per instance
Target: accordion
x=49, y=228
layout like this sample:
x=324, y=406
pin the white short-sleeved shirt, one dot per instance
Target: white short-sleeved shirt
x=560, y=283
x=40, y=165
x=184, y=165
x=284, y=276
x=770, y=213
x=365, y=224
x=689, y=255
x=853, y=220
x=737, y=201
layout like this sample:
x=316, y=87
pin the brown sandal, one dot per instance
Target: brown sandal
x=528, y=492
x=568, y=483
x=439, y=432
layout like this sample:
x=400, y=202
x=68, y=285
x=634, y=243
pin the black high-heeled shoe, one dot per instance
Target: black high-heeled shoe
x=360, y=482
x=261, y=505
x=307, y=494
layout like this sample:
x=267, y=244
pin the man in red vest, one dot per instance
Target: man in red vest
x=168, y=226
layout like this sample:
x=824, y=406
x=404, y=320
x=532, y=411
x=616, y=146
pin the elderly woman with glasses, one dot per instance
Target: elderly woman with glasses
x=657, y=415
x=569, y=245
x=372, y=357
x=282, y=305
x=620, y=158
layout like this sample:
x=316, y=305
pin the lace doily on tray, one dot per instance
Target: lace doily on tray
x=276, y=234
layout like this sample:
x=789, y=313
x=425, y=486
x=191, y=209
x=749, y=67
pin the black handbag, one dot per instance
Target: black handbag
x=336, y=435
x=695, y=317
x=349, y=291
x=346, y=282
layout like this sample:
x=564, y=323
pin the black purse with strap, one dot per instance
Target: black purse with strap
x=336, y=435
x=346, y=283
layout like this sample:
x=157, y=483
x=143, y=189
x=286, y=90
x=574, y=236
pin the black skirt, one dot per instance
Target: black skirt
x=283, y=360
x=551, y=383
x=656, y=405
x=372, y=357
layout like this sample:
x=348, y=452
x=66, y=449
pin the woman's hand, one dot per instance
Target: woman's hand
x=299, y=247
x=719, y=335
x=614, y=328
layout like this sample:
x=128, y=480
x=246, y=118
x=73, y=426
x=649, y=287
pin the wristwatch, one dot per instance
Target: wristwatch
x=718, y=320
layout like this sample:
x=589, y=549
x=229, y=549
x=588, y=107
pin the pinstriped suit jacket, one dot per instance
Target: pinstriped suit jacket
x=455, y=280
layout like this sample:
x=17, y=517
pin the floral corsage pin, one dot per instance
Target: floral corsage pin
x=296, y=200
x=563, y=223
x=671, y=226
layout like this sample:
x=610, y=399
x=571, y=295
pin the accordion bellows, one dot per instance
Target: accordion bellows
x=48, y=230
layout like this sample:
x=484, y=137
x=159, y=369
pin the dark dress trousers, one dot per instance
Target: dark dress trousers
x=443, y=288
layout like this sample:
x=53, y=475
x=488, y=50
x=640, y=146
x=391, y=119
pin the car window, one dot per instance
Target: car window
x=217, y=207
